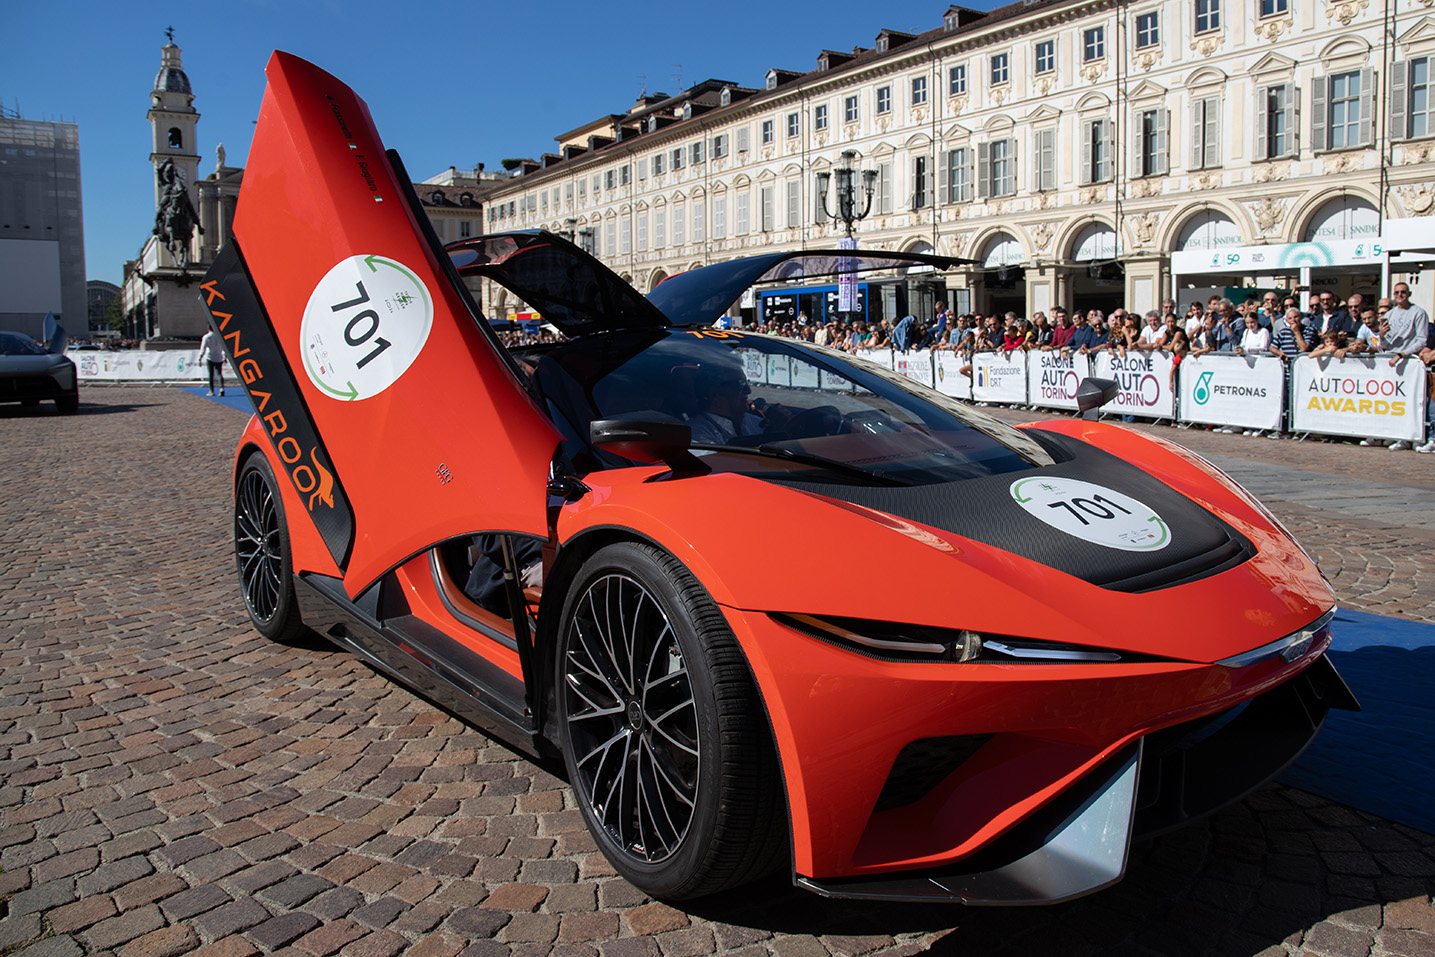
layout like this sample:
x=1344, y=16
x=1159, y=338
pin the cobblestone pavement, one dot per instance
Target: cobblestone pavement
x=171, y=783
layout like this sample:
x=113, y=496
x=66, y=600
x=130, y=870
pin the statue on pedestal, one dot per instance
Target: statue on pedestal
x=176, y=220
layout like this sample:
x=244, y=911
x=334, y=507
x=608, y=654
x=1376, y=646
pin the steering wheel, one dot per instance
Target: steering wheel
x=818, y=420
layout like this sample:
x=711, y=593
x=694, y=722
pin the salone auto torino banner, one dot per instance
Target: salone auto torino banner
x=1145, y=382
x=1245, y=391
x=1358, y=396
x=137, y=365
x=1052, y=380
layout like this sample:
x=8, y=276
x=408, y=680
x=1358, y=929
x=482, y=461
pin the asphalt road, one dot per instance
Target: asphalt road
x=171, y=783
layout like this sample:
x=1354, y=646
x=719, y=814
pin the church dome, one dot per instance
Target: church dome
x=171, y=77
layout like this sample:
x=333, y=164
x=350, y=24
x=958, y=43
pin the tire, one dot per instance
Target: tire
x=262, y=555
x=67, y=405
x=674, y=769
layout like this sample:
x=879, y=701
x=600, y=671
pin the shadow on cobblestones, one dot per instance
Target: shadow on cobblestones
x=170, y=781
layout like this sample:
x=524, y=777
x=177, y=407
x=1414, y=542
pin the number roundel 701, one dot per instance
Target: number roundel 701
x=365, y=323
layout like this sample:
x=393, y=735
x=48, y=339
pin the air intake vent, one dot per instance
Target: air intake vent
x=923, y=764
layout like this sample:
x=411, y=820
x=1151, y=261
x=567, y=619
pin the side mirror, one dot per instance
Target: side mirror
x=1093, y=393
x=655, y=437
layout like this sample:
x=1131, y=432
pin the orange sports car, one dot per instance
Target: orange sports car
x=771, y=603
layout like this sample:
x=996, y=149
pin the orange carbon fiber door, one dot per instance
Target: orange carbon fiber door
x=427, y=431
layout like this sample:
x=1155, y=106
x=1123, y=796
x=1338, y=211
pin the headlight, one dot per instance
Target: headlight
x=891, y=641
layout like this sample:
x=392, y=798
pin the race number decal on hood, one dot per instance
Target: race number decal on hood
x=365, y=323
x=1092, y=513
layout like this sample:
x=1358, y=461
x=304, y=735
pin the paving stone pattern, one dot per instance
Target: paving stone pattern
x=171, y=783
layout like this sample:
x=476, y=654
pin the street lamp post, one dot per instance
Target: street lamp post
x=848, y=214
x=846, y=194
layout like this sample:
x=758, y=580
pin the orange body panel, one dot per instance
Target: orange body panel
x=454, y=444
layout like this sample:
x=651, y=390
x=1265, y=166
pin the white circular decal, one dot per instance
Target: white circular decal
x=365, y=323
x=1092, y=513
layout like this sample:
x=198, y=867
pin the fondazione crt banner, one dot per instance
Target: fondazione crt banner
x=1358, y=396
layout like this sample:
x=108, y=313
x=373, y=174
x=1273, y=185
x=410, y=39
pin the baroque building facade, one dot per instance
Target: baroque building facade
x=1072, y=148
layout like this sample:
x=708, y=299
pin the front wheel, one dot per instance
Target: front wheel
x=261, y=552
x=662, y=730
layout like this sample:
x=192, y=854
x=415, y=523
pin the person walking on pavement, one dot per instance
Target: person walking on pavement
x=211, y=353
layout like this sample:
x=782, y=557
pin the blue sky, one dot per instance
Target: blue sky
x=448, y=84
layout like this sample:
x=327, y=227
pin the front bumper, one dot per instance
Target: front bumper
x=1022, y=743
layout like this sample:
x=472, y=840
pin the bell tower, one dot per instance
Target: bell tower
x=172, y=120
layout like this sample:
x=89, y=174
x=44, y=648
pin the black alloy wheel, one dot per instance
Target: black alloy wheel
x=662, y=730
x=261, y=552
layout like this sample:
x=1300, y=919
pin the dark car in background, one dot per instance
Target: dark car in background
x=31, y=373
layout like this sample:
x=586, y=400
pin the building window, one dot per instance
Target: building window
x=642, y=232
x=625, y=237
x=660, y=229
x=743, y=202
x=568, y=194
x=794, y=121
x=996, y=168
x=1044, y=169
x=1096, y=166
x=625, y=175
x=699, y=211
x=1154, y=144
x=1275, y=121
x=957, y=81
x=1093, y=44
x=657, y=164
x=794, y=204
x=583, y=190
x=720, y=146
x=1341, y=110
x=1271, y=8
x=679, y=231
x=719, y=217
x=884, y=100
x=597, y=184
x=850, y=112
x=1046, y=56
x=695, y=153
x=642, y=173
x=882, y=201
x=1001, y=68
x=919, y=90
x=676, y=156
x=610, y=238
x=957, y=183
x=1410, y=99
x=1208, y=15
x=819, y=117
x=766, y=211
x=1148, y=30
x=1206, y=133
x=767, y=131
x=921, y=182
x=742, y=134
x=610, y=178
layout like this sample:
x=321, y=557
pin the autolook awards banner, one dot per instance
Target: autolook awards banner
x=1359, y=396
x=1248, y=391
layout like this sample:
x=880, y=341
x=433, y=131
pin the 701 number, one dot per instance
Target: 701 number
x=367, y=321
x=1098, y=506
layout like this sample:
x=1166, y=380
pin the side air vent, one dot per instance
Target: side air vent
x=923, y=764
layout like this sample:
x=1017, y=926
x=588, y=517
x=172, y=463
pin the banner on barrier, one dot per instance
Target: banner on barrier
x=139, y=365
x=882, y=356
x=999, y=377
x=1358, y=396
x=915, y=365
x=1145, y=382
x=947, y=367
x=1052, y=380
x=1245, y=391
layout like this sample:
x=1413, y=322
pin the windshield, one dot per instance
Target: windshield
x=14, y=344
x=762, y=405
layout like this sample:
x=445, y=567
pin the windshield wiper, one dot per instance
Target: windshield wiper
x=806, y=458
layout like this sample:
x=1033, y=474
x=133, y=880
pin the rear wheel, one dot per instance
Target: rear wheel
x=662, y=730
x=261, y=552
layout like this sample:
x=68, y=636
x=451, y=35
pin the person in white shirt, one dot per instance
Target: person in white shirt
x=1255, y=340
x=211, y=353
